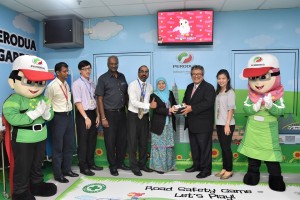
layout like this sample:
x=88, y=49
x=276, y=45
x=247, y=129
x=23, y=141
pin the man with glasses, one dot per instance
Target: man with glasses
x=87, y=118
x=112, y=97
x=58, y=91
x=199, y=99
x=138, y=120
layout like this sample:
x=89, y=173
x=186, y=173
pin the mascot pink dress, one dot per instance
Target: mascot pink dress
x=25, y=112
x=264, y=105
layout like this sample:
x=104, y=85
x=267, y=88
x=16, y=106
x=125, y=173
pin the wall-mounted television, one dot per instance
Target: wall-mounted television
x=185, y=27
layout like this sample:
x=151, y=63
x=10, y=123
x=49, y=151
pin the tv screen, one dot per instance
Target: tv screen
x=185, y=27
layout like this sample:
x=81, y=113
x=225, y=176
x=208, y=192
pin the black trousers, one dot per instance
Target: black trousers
x=274, y=168
x=28, y=164
x=225, y=143
x=63, y=142
x=87, y=139
x=201, y=149
x=115, y=138
x=138, y=137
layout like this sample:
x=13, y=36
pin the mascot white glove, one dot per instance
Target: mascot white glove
x=47, y=114
x=268, y=101
x=39, y=110
x=257, y=105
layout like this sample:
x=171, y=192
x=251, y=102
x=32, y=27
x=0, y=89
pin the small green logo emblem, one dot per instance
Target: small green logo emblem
x=94, y=188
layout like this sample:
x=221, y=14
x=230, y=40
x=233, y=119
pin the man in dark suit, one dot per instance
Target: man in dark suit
x=199, y=99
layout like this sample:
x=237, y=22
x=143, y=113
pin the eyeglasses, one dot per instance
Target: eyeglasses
x=26, y=82
x=143, y=72
x=197, y=74
x=265, y=77
x=86, y=69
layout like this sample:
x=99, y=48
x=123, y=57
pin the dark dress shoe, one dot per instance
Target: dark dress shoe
x=95, y=167
x=191, y=169
x=203, y=174
x=62, y=179
x=137, y=172
x=114, y=172
x=147, y=169
x=71, y=174
x=124, y=167
x=87, y=172
x=160, y=172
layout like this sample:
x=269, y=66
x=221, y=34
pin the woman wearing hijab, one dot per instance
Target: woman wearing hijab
x=162, y=129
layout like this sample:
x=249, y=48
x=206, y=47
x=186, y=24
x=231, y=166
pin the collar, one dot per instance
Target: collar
x=141, y=81
x=111, y=74
x=59, y=81
x=84, y=79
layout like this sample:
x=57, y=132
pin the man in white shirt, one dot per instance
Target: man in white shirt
x=58, y=91
x=138, y=120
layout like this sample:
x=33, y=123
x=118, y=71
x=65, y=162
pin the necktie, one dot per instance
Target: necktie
x=141, y=110
x=193, y=91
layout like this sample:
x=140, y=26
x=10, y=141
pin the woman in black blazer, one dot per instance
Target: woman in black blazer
x=162, y=128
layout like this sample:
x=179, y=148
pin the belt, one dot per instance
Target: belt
x=35, y=127
x=62, y=113
x=115, y=110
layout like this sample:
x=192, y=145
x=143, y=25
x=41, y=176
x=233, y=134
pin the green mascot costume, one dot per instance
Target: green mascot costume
x=26, y=112
x=264, y=105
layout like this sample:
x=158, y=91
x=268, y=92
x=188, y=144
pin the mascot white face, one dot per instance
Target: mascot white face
x=29, y=76
x=262, y=84
x=263, y=73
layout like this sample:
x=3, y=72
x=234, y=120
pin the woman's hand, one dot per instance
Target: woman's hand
x=227, y=129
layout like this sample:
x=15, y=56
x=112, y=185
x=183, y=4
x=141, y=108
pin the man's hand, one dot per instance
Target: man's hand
x=88, y=123
x=187, y=110
x=153, y=104
x=257, y=105
x=105, y=123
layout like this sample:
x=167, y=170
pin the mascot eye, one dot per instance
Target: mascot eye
x=41, y=83
x=263, y=77
x=29, y=82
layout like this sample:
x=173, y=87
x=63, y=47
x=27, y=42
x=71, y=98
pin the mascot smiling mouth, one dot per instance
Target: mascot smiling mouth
x=259, y=87
x=33, y=92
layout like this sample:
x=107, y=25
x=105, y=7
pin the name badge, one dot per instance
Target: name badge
x=259, y=118
x=92, y=102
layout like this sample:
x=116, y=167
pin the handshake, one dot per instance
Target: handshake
x=179, y=108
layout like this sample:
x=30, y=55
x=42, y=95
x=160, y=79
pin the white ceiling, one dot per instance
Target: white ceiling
x=85, y=9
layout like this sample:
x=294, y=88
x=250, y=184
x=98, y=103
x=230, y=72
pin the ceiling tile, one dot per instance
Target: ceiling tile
x=216, y=5
x=121, y=2
x=231, y=5
x=50, y=13
x=39, y=5
x=82, y=4
x=126, y=10
x=154, y=7
x=94, y=12
x=15, y=6
x=272, y=4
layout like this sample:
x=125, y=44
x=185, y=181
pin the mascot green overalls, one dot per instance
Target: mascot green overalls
x=26, y=112
x=264, y=105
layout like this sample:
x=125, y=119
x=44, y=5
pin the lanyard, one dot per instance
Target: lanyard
x=89, y=89
x=143, y=92
x=64, y=92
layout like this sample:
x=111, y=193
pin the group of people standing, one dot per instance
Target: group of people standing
x=106, y=103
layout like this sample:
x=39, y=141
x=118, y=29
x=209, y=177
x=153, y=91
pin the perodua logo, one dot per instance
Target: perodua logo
x=184, y=57
x=257, y=59
x=37, y=61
